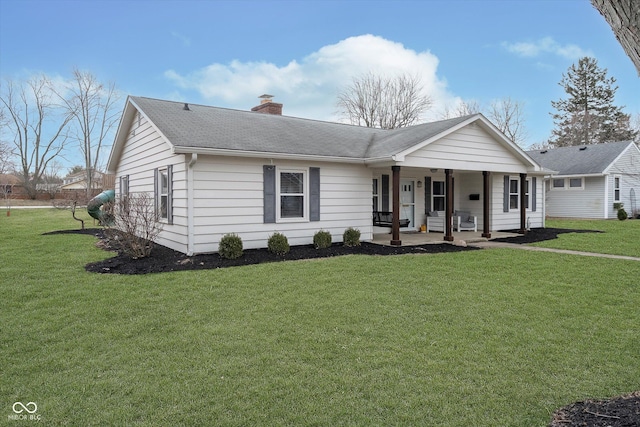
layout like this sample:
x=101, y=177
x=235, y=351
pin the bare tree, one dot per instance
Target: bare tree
x=508, y=116
x=38, y=133
x=95, y=113
x=384, y=102
x=461, y=109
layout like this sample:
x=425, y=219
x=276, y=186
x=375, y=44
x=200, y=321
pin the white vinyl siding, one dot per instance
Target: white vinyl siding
x=471, y=149
x=145, y=151
x=570, y=203
x=228, y=198
x=501, y=220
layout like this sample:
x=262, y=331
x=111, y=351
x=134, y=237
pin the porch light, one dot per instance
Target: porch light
x=419, y=184
x=434, y=170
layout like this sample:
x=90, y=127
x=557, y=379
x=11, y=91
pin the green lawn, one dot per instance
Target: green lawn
x=618, y=237
x=484, y=338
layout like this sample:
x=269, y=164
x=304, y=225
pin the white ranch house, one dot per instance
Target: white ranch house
x=589, y=179
x=214, y=171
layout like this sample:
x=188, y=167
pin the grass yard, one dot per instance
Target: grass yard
x=619, y=237
x=482, y=338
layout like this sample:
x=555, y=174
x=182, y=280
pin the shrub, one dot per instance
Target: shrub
x=351, y=237
x=230, y=246
x=135, y=225
x=278, y=244
x=322, y=239
x=622, y=214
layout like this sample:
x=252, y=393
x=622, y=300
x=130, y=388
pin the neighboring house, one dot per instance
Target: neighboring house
x=589, y=179
x=214, y=171
x=78, y=181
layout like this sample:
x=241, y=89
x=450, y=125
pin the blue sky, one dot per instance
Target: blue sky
x=227, y=53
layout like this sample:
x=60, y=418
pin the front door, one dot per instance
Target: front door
x=407, y=201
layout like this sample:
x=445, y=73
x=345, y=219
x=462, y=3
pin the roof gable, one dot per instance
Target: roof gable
x=593, y=159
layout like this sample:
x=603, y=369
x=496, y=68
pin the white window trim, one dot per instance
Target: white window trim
x=163, y=171
x=305, y=195
x=567, y=184
x=619, y=188
x=435, y=196
x=517, y=179
x=554, y=188
x=570, y=188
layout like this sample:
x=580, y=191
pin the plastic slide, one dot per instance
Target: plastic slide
x=93, y=207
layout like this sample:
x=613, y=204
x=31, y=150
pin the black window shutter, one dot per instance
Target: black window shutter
x=427, y=194
x=269, y=193
x=170, y=194
x=314, y=194
x=505, y=203
x=385, y=193
x=156, y=191
x=533, y=194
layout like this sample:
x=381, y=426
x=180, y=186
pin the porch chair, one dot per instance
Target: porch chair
x=464, y=221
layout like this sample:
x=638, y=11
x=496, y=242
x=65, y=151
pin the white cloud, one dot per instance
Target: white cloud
x=309, y=87
x=546, y=45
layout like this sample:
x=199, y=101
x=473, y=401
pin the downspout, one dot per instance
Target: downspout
x=190, y=205
x=606, y=195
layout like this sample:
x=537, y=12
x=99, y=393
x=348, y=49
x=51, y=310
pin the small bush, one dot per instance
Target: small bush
x=622, y=214
x=230, y=246
x=322, y=239
x=278, y=244
x=351, y=237
x=135, y=225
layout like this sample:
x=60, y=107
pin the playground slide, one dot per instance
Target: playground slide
x=93, y=207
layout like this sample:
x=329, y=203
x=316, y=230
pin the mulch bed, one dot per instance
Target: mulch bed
x=163, y=259
x=622, y=411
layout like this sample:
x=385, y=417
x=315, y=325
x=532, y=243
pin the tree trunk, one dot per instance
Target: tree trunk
x=624, y=19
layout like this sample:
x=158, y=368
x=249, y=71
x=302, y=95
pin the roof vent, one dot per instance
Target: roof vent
x=544, y=151
x=583, y=148
x=186, y=107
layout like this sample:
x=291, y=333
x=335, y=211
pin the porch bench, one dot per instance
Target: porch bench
x=435, y=221
x=385, y=219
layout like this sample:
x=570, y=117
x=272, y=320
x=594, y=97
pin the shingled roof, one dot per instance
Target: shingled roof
x=223, y=131
x=590, y=159
x=221, y=128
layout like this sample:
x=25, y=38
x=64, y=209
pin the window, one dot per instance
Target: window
x=438, y=195
x=375, y=193
x=164, y=193
x=292, y=194
x=616, y=189
x=513, y=194
x=558, y=183
x=527, y=196
x=124, y=186
x=575, y=183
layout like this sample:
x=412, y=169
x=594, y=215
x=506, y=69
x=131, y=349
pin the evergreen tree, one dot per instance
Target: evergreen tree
x=588, y=115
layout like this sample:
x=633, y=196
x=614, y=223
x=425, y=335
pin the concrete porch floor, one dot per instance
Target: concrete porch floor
x=413, y=238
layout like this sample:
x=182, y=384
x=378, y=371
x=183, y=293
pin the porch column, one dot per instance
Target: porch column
x=395, y=226
x=523, y=201
x=486, y=188
x=448, y=227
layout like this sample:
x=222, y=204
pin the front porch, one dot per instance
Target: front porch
x=414, y=238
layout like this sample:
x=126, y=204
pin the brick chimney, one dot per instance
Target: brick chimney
x=267, y=106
